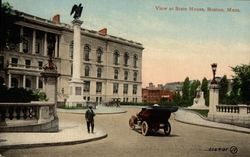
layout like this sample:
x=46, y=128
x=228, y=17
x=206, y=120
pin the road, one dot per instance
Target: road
x=185, y=140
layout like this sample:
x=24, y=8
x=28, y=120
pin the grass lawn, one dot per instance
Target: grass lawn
x=202, y=112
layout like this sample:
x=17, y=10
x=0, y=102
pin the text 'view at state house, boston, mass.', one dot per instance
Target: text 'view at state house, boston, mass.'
x=110, y=66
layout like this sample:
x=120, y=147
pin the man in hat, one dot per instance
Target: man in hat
x=89, y=116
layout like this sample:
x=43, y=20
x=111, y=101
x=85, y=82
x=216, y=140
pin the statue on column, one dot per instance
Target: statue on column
x=77, y=10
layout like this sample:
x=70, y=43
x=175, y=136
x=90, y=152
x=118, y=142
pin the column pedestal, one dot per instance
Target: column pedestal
x=213, y=100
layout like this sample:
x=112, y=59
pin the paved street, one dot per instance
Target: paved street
x=185, y=140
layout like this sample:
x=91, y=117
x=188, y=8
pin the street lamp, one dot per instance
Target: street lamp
x=214, y=67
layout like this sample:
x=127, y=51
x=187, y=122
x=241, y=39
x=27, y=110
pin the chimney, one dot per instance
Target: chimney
x=103, y=31
x=56, y=19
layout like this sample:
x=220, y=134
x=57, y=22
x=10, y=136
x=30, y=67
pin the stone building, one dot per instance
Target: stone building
x=110, y=69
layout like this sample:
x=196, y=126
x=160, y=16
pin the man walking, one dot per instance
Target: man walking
x=89, y=116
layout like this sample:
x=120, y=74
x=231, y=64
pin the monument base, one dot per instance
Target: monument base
x=199, y=104
x=76, y=90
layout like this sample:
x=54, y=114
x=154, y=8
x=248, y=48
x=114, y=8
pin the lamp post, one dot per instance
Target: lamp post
x=214, y=67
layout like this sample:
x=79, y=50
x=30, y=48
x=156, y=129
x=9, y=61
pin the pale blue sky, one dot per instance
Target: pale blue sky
x=177, y=43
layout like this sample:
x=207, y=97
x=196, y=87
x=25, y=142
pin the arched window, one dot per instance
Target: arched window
x=71, y=47
x=87, y=52
x=14, y=83
x=99, y=55
x=116, y=72
x=135, y=61
x=86, y=72
x=126, y=57
x=116, y=57
x=126, y=75
x=99, y=72
x=28, y=83
x=135, y=76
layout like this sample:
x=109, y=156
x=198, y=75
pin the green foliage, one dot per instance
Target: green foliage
x=186, y=92
x=223, y=90
x=204, y=113
x=204, y=88
x=20, y=95
x=241, y=83
x=194, y=85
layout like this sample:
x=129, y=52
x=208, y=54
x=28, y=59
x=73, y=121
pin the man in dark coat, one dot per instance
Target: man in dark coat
x=89, y=116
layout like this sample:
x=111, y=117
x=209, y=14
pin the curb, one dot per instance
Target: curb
x=23, y=146
x=214, y=127
x=120, y=112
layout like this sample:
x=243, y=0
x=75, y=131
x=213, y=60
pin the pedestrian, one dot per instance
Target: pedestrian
x=89, y=116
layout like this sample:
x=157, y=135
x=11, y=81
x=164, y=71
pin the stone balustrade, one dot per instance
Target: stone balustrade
x=232, y=114
x=34, y=115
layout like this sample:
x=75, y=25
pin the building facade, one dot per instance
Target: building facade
x=152, y=94
x=110, y=68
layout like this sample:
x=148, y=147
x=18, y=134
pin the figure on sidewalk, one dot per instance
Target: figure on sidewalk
x=89, y=116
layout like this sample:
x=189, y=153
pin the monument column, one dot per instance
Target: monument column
x=77, y=50
x=76, y=83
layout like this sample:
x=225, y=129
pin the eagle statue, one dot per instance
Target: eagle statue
x=77, y=10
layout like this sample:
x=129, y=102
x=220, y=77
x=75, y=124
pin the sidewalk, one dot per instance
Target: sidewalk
x=98, y=110
x=70, y=133
x=190, y=117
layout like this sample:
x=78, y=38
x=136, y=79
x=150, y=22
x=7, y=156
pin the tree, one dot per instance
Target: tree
x=9, y=31
x=185, y=92
x=223, y=89
x=204, y=88
x=194, y=85
x=241, y=83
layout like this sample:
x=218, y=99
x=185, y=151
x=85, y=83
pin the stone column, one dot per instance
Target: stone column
x=45, y=45
x=37, y=82
x=21, y=43
x=56, y=48
x=24, y=81
x=9, y=83
x=213, y=100
x=77, y=50
x=34, y=42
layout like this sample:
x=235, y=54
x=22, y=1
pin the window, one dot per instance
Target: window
x=99, y=55
x=28, y=83
x=115, y=88
x=126, y=75
x=1, y=62
x=14, y=62
x=135, y=76
x=116, y=73
x=99, y=72
x=98, y=87
x=116, y=57
x=86, y=86
x=71, y=49
x=25, y=46
x=14, y=83
x=37, y=47
x=40, y=65
x=134, y=89
x=27, y=63
x=125, y=88
x=126, y=57
x=86, y=72
x=135, y=61
x=86, y=52
x=40, y=84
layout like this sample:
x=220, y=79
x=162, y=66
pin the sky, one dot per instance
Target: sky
x=178, y=41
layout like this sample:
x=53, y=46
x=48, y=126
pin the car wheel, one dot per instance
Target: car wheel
x=144, y=128
x=167, y=129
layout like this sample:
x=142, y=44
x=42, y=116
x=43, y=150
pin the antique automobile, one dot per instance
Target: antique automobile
x=152, y=118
